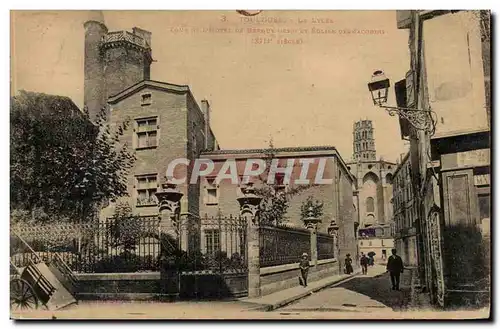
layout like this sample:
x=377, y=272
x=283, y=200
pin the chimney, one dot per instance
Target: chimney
x=205, y=109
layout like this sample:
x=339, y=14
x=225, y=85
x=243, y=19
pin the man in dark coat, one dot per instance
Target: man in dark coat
x=364, y=263
x=395, y=267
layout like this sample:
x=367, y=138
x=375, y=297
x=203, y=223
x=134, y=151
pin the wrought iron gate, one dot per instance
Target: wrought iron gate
x=216, y=262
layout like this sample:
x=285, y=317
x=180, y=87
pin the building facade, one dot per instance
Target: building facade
x=377, y=239
x=452, y=162
x=405, y=214
x=220, y=198
x=165, y=121
x=166, y=124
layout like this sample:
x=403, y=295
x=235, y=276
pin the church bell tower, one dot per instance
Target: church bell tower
x=364, y=142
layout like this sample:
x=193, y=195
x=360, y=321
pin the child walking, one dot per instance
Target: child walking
x=304, y=269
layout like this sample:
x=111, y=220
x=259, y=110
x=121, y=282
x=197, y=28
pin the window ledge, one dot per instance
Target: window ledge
x=145, y=148
x=211, y=204
x=146, y=205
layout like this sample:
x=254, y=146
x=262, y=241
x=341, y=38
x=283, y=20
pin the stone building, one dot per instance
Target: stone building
x=374, y=180
x=336, y=196
x=405, y=213
x=165, y=121
x=451, y=162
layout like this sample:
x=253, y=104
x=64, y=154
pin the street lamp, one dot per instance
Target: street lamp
x=420, y=119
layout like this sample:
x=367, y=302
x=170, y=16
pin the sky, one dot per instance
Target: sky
x=302, y=94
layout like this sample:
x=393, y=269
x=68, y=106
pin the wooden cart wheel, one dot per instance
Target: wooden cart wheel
x=22, y=295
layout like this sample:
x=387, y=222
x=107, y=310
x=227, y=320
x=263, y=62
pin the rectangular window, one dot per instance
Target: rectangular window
x=212, y=191
x=146, y=99
x=146, y=133
x=146, y=187
x=212, y=241
x=279, y=182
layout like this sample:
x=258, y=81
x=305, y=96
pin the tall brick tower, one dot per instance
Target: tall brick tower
x=114, y=61
x=364, y=142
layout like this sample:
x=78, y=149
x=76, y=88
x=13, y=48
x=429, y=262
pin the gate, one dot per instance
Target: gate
x=215, y=264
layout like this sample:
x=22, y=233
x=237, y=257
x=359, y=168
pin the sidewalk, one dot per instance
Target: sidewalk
x=284, y=297
x=232, y=309
x=419, y=300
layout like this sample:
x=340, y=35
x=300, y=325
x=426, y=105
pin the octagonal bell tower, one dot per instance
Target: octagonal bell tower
x=363, y=141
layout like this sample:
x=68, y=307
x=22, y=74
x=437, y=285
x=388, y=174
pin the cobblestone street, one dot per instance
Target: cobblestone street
x=364, y=293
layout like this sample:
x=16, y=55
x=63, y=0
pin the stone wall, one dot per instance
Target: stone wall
x=146, y=286
x=276, y=278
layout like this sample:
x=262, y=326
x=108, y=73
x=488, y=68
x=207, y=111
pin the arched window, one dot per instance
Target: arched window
x=370, y=205
x=388, y=178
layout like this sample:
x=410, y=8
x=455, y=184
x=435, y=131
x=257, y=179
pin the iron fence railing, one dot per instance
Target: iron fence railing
x=282, y=245
x=110, y=245
x=325, y=246
x=135, y=244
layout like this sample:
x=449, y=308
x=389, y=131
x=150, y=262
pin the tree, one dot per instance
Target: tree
x=275, y=201
x=125, y=229
x=61, y=162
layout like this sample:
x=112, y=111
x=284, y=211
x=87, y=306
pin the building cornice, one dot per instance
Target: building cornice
x=276, y=150
x=162, y=86
x=282, y=152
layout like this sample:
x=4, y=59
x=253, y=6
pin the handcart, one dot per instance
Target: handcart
x=33, y=283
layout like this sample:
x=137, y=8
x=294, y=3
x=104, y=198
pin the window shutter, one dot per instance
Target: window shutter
x=134, y=136
x=460, y=198
x=157, y=131
x=205, y=194
x=400, y=89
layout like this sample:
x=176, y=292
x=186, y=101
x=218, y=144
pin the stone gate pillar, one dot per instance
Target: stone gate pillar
x=169, y=213
x=249, y=210
x=333, y=230
x=311, y=223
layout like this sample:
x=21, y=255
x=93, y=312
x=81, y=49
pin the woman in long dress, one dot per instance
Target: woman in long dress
x=348, y=264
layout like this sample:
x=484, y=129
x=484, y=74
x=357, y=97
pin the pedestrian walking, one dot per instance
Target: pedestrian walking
x=364, y=263
x=371, y=260
x=348, y=264
x=304, y=269
x=395, y=267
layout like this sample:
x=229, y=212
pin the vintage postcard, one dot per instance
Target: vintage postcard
x=250, y=164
